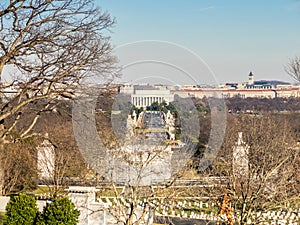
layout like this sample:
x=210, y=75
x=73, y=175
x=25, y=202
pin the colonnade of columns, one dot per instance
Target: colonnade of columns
x=145, y=101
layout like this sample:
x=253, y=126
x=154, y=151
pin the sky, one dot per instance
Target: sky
x=230, y=38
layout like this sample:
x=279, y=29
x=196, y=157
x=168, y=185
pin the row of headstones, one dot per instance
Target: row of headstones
x=179, y=204
x=199, y=204
x=184, y=203
x=278, y=217
x=165, y=209
x=193, y=215
x=285, y=217
x=113, y=201
x=46, y=196
x=276, y=222
x=266, y=218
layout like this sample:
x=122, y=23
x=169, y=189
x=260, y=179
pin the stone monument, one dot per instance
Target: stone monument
x=240, y=161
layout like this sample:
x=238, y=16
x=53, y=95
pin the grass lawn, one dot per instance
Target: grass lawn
x=2, y=215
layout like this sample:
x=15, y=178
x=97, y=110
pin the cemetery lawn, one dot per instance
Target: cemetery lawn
x=2, y=215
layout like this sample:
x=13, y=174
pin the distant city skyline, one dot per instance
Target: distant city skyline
x=232, y=37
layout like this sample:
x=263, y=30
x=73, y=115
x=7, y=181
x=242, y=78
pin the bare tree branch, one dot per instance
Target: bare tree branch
x=53, y=45
x=293, y=68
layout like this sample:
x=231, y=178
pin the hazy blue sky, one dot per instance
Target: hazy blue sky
x=232, y=37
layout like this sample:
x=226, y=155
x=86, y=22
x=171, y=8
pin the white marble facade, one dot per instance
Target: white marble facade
x=144, y=98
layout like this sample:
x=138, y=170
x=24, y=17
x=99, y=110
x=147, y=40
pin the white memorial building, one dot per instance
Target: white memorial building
x=144, y=98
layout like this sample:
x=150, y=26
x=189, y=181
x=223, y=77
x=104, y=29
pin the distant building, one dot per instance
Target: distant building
x=144, y=98
x=127, y=88
x=250, y=79
x=249, y=89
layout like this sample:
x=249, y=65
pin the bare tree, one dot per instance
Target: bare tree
x=50, y=47
x=269, y=182
x=19, y=168
x=293, y=68
x=55, y=167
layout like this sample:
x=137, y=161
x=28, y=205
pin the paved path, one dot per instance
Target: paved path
x=180, y=221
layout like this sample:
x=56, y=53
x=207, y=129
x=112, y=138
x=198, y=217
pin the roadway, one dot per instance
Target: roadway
x=181, y=221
